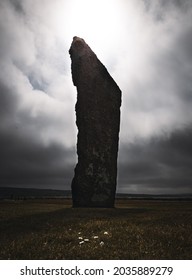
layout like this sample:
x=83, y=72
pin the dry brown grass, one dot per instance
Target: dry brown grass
x=51, y=229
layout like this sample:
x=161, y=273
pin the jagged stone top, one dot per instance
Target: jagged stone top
x=85, y=61
x=80, y=54
x=79, y=48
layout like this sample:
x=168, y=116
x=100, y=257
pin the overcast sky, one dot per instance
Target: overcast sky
x=146, y=46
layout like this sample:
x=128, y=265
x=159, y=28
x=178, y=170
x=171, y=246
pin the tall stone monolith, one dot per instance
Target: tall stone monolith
x=98, y=121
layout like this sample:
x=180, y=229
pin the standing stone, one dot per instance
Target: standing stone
x=98, y=121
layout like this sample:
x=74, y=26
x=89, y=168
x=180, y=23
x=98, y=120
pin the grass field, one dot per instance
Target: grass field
x=51, y=229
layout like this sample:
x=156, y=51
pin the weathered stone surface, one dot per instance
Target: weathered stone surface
x=98, y=120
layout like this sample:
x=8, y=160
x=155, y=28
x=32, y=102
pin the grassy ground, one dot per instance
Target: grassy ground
x=51, y=229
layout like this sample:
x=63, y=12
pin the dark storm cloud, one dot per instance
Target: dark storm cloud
x=8, y=103
x=25, y=158
x=29, y=163
x=158, y=165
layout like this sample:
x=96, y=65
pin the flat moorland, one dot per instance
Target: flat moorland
x=134, y=229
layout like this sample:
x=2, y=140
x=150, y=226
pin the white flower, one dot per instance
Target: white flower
x=101, y=243
x=81, y=238
x=79, y=232
x=95, y=237
x=81, y=242
x=106, y=233
x=86, y=239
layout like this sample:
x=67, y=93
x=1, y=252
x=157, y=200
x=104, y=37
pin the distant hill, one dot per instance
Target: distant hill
x=154, y=196
x=31, y=193
x=28, y=193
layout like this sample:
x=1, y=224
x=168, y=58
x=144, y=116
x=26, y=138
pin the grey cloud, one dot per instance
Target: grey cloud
x=157, y=93
x=17, y=5
x=35, y=126
x=34, y=75
x=160, y=9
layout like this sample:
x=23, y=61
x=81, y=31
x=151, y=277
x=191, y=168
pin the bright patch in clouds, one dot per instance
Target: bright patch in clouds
x=100, y=23
x=97, y=21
